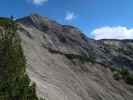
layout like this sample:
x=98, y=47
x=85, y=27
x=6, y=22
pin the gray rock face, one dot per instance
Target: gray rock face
x=66, y=65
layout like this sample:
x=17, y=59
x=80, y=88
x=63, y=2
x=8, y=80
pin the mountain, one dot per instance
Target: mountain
x=67, y=65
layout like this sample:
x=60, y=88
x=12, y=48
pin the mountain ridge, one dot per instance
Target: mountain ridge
x=67, y=65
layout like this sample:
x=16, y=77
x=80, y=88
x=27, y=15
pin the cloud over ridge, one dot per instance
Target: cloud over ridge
x=70, y=16
x=119, y=32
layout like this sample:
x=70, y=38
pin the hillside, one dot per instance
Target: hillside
x=66, y=65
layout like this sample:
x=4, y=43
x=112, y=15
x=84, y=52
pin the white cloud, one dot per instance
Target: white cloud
x=70, y=16
x=119, y=32
x=39, y=2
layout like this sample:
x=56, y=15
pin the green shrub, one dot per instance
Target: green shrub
x=44, y=25
x=116, y=75
x=124, y=74
x=129, y=79
x=14, y=82
x=6, y=22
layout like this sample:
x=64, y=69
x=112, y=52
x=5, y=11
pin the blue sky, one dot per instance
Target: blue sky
x=97, y=18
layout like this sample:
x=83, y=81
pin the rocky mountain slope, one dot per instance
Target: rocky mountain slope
x=66, y=65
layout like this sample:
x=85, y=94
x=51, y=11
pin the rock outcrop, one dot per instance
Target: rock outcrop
x=66, y=65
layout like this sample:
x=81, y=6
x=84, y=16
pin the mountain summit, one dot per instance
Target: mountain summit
x=67, y=65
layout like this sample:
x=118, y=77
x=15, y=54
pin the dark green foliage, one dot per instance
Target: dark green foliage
x=92, y=58
x=44, y=25
x=116, y=75
x=14, y=82
x=72, y=57
x=130, y=47
x=129, y=79
x=82, y=59
x=6, y=22
x=124, y=74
